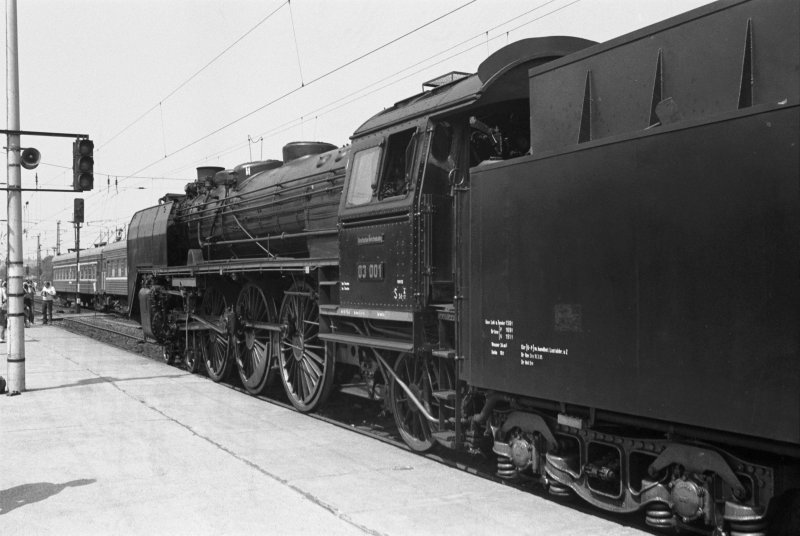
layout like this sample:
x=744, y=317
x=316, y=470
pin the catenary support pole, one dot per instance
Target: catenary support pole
x=16, y=327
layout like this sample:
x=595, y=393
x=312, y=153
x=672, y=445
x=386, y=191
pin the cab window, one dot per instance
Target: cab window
x=364, y=176
x=399, y=161
x=383, y=171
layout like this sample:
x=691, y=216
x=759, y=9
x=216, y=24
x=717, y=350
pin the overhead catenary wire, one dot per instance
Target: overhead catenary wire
x=192, y=77
x=342, y=101
x=112, y=174
x=296, y=46
x=317, y=79
x=329, y=107
x=319, y=111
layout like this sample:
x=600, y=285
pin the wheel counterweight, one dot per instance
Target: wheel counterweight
x=306, y=369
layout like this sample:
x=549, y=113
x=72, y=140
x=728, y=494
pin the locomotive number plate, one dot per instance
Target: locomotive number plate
x=370, y=271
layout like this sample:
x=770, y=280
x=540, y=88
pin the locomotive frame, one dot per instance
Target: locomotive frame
x=394, y=263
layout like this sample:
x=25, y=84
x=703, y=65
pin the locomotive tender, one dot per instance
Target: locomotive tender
x=583, y=258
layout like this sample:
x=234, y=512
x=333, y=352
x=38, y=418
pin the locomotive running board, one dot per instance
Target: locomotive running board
x=242, y=265
x=376, y=314
x=374, y=342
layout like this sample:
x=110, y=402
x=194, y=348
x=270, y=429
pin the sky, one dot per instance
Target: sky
x=165, y=86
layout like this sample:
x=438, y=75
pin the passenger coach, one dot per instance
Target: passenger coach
x=101, y=279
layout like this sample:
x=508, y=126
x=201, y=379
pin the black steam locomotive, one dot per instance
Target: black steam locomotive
x=584, y=258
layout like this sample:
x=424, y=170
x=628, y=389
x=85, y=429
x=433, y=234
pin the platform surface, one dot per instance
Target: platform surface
x=104, y=441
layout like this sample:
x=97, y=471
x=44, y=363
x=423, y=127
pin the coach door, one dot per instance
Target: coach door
x=104, y=267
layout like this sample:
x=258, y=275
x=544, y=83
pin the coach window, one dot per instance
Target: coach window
x=364, y=177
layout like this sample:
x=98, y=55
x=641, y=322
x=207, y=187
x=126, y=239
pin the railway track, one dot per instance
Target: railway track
x=359, y=415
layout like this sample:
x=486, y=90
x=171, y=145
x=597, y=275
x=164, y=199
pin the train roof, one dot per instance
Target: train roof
x=90, y=253
x=510, y=65
x=115, y=246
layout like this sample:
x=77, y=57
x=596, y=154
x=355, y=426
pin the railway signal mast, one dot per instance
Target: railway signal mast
x=28, y=158
x=78, y=220
x=16, y=348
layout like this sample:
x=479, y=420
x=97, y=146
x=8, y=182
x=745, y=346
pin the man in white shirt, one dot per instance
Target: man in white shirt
x=48, y=295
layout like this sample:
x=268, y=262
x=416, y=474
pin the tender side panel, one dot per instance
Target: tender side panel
x=653, y=277
x=700, y=65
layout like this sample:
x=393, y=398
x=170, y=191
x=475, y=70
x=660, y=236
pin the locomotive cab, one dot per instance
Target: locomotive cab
x=398, y=236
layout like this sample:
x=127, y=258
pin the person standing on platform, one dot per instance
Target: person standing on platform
x=48, y=295
x=3, y=311
x=27, y=289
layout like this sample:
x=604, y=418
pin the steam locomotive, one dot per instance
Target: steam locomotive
x=583, y=258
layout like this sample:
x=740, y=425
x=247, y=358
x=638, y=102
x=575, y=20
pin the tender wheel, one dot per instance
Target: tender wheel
x=255, y=346
x=214, y=348
x=306, y=370
x=423, y=378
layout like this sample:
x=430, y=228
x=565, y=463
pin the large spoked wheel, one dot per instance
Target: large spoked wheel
x=423, y=378
x=255, y=345
x=306, y=370
x=215, y=347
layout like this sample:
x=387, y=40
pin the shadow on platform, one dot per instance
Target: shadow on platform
x=13, y=498
x=103, y=379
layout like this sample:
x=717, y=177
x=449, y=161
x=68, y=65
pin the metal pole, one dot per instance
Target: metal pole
x=16, y=326
x=77, y=267
x=58, y=237
x=38, y=258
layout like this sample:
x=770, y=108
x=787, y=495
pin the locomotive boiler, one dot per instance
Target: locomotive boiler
x=581, y=259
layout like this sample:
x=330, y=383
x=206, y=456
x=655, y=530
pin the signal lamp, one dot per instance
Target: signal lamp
x=78, y=212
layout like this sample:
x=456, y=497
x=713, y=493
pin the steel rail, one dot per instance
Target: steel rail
x=108, y=330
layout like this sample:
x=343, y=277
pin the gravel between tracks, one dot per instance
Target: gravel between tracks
x=116, y=331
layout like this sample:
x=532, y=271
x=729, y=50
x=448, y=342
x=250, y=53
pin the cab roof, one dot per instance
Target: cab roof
x=504, y=73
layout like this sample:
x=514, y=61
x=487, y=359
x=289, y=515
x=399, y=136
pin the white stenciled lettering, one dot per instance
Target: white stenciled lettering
x=500, y=332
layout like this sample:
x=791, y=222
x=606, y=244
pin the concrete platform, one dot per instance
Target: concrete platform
x=108, y=442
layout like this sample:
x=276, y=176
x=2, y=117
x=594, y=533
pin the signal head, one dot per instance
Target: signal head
x=82, y=165
x=77, y=215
